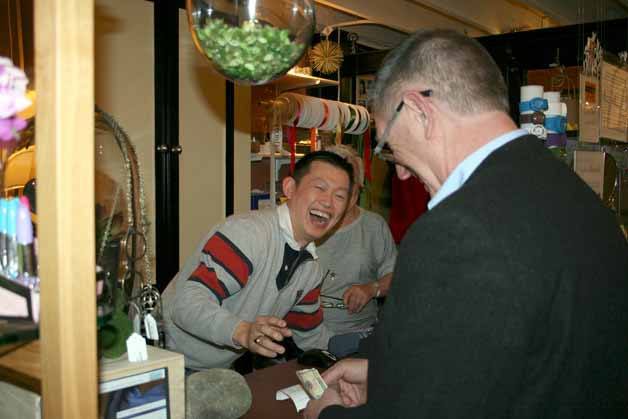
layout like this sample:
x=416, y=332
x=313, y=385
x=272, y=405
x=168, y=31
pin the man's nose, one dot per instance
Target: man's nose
x=326, y=199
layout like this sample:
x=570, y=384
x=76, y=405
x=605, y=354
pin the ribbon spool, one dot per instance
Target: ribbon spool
x=354, y=121
x=311, y=112
x=531, y=91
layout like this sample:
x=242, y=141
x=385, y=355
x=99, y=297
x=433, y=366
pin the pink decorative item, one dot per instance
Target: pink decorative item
x=13, y=99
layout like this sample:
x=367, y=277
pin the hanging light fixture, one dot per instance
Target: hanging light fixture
x=251, y=41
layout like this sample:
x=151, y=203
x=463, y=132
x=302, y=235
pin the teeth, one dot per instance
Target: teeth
x=320, y=214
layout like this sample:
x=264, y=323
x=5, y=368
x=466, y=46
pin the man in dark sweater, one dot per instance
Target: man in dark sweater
x=510, y=297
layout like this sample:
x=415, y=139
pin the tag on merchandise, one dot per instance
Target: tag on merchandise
x=312, y=382
x=136, y=348
x=150, y=324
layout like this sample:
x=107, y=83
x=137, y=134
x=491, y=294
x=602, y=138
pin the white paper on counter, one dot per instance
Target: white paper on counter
x=297, y=394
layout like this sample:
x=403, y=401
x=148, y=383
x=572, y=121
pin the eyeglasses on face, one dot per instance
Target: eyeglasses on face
x=381, y=142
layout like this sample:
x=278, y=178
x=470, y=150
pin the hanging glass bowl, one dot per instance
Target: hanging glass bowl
x=251, y=41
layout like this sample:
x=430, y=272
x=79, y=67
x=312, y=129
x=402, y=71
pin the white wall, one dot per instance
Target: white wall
x=125, y=89
x=202, y=136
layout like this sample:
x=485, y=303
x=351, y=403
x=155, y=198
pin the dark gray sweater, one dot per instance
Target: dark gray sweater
x=509, y=300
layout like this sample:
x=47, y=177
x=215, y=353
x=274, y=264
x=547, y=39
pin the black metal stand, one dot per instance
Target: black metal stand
x=167, y=149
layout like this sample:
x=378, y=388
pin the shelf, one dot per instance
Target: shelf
x=22, y=366
x=280, y=160
x=294, y=81
x=16, y=332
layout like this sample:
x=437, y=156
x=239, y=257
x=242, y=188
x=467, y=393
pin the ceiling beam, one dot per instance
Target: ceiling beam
x=400, y=15
x=447, y=13
x=568, y=13
x=473, y=17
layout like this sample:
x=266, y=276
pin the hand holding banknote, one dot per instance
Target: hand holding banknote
x=346, y=385
x=312, y=382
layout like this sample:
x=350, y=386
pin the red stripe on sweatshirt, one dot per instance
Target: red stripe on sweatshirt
x=311, y=297
x=304, y=321
x=208, y=277
x=226, y=254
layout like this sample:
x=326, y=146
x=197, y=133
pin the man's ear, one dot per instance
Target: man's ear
x=421, y=110
x=289, y=186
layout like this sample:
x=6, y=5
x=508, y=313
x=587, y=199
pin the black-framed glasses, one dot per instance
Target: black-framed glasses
x=381, y=142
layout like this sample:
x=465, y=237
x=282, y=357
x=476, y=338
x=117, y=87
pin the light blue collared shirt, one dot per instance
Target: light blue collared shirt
x=465, y=169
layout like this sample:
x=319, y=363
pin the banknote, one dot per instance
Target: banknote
x=312, y=382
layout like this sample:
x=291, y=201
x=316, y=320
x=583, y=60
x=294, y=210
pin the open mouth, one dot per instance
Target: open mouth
x=320, y=218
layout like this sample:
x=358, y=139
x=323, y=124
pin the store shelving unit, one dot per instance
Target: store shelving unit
x=297, y=81
x=292, y=81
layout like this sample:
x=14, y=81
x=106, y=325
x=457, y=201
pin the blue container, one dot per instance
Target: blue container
x=256, y=197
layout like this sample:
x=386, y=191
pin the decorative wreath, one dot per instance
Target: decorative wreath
x=326, y=57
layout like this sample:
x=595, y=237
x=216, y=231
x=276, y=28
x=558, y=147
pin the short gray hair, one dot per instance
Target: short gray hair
x=457, y=69
x=349, y=154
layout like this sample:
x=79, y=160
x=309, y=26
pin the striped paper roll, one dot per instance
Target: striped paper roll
x=312, y=112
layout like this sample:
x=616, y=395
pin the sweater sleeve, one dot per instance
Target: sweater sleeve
x=223, y=268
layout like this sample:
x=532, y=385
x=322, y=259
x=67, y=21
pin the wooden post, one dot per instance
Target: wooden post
x=64, y=58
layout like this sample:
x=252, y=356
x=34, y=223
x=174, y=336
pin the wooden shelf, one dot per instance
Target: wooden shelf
x=13, y=333
x=112, y=369
x=295, y=81
x=22, y=367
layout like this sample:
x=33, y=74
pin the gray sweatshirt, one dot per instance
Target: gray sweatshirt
x=248, y=266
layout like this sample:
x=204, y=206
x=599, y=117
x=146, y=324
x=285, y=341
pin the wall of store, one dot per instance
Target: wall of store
x=125, y=89
x=202, y=136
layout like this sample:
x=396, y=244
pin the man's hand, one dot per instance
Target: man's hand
x=356, y=297
x=350, y=376
x=260, y=337
x=330, y=397
x=347, y=386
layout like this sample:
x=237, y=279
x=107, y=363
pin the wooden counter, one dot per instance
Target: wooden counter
x=22, y=367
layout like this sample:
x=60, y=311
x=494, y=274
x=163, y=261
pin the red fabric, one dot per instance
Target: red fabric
x=409, y=201
x=367, y=154
x=304, y=321
x=227, y=255
x=292, y=142
x=311, y=297
x=312, y=139
x=208, y=277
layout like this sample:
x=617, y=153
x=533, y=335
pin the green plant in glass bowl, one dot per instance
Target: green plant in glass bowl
x=254, y=41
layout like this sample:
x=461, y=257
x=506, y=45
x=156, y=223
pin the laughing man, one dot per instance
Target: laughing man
x=254, y=279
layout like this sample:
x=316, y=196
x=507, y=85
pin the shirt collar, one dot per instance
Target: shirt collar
x=465, y=169
x=285, y=223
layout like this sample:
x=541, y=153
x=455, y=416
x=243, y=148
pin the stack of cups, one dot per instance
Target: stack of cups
x=531, y=110
x=555, y=120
